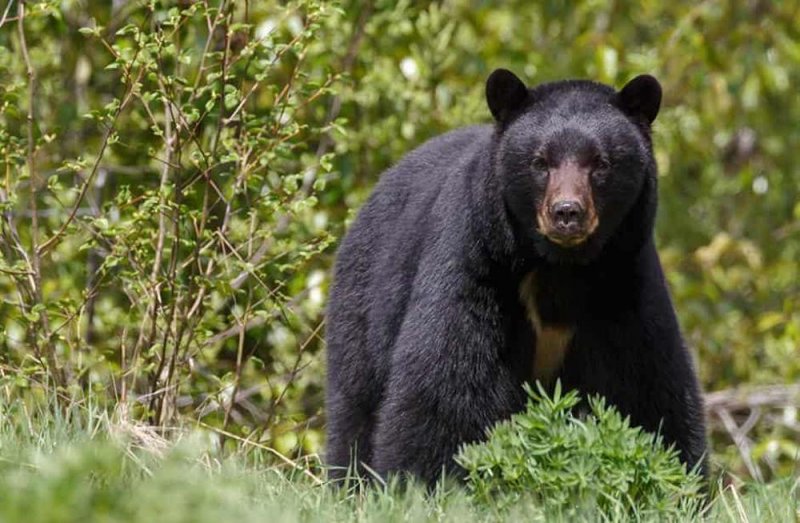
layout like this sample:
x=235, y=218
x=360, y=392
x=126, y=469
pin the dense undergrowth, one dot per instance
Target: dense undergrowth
x=85, y=465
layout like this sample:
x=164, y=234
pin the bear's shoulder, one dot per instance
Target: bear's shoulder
x=439, y=163
x=445, y=152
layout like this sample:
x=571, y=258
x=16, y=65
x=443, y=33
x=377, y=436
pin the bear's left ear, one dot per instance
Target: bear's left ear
x=641, y=97
x=505, y=93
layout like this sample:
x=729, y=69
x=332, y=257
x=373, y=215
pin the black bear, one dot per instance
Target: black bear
x=501, y=254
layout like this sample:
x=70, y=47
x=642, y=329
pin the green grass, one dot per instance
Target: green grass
x=87, y=466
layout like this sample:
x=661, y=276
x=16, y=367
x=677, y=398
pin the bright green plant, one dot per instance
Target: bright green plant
x=568, y=462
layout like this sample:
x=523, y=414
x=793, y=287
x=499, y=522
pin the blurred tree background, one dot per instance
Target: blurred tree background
x=176, y=175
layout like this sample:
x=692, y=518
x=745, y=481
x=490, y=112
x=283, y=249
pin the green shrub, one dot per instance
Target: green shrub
x=568, y=462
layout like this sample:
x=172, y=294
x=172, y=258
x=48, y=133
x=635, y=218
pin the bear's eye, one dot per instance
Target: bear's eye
x=601, y=163
x=539, y=164
x=601, y=168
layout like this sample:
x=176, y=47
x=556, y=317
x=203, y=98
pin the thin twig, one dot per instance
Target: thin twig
x=128, y=95
x=742, y=443
x=236, y=377
x=272, y=451
x=326, y=142
x=35, y=258
x=5, y=13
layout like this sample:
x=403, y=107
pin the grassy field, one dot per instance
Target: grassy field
x=86, y=466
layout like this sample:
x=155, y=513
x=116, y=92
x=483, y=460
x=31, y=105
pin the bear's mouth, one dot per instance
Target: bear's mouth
x=567, y=241
x=567, y=237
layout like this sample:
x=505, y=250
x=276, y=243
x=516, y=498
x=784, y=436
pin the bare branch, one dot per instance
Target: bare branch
x=767, y=396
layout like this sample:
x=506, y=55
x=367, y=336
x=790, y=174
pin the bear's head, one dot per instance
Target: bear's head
x=575, y=163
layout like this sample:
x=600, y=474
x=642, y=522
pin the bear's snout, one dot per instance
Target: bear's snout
x=568, y=216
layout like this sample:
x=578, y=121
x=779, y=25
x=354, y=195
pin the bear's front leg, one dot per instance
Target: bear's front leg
x=630, y=350
x=449, y=382
x=653, y=382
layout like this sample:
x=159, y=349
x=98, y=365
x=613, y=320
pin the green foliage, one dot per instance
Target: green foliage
x=86, y=466
x=160, y=223
x=174, y=176
x=567, y=462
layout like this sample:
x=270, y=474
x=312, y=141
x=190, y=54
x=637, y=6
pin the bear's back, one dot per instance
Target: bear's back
x=422, y=173
x=379, y=258
x=401, y=205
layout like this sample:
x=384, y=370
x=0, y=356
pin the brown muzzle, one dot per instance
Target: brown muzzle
x=567, y=215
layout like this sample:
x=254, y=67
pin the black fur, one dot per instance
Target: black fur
x=428, y=342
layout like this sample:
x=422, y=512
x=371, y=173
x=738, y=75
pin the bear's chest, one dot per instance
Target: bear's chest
x=553, y=336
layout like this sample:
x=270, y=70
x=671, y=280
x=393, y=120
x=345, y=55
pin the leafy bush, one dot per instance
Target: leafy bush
x=567, y=462
x=158, y=222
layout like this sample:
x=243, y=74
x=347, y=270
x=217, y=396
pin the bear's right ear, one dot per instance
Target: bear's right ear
x=505, y=93
x=641, y=97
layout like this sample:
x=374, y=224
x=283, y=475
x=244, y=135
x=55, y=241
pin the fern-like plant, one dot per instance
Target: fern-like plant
x=570, y=463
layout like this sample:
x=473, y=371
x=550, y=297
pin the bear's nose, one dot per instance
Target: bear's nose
x=567, y=214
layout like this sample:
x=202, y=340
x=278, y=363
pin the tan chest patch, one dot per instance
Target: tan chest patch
x=552, y=340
